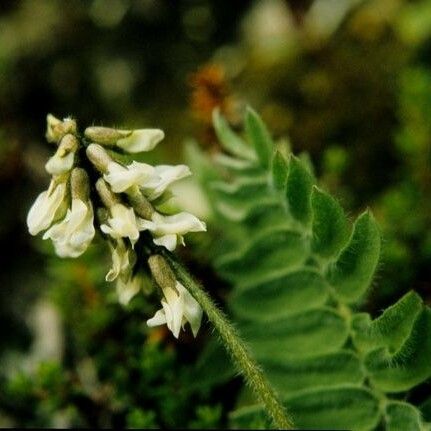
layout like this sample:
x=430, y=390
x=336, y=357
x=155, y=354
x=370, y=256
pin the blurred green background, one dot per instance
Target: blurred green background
x=348, y=81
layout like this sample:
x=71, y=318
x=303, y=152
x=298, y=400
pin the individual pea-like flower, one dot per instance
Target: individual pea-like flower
x=48, y=206
x=162, y=178
x=178, y=308
x=121, y=178
x=122, y=223
x=140, y=140
x=169, y=230
x=123, y=258
x=74, y=233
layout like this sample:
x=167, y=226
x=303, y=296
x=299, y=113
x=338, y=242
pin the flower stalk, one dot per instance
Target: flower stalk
x=127, y=199
x=236, y=348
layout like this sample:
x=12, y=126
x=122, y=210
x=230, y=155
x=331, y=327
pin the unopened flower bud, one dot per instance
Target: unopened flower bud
x=99, y=157
x=140, y=204
x=161, y=271
x=79, y=184
x=56, y=128
x=108, y=197
x=105, y=135
x=69, y=143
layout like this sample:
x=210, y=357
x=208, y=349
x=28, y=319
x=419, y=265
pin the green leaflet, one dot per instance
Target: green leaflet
x=410, y=365
x=259, y=137
x=298, y=190
x=330, y=227
x=279, y=171
x=238, y=212
x=305, y=334
x=269, y=251
x=234, y=163
x=283, y=294
x=352, y=273
x=230, y=140
x=391, y=329
x=296, y=265
x=336, y=409
x=332, y=369
x=237, y=193
x=402, y=416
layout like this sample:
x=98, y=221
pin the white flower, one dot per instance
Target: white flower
x=121, y=178
x=122, y=224
x=57, y=165
x=122, y=260
x=140, y=140
x=46, y=208
x=168, y=230
x=162, y=178
x=178, y=308
x=74, y=233
x=128, y=288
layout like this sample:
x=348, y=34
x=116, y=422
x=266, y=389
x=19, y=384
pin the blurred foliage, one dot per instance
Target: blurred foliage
x=299, y=273
x=346, y=81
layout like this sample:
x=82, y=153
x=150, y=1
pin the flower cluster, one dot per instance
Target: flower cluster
x=127, y=199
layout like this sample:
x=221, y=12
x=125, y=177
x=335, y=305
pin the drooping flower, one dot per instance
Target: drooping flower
x=178, y=308
x=74, y=233
x=169, y=230
x=122, y=178
x=162, y=178
x=122, y=223
x=123, y=259
x=48, y=207
x=140, y=140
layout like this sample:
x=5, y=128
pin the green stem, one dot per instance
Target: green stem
x=241, y=356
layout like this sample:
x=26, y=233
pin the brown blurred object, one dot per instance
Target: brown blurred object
x=299, y=9
x=210, y=90
x=156, y=335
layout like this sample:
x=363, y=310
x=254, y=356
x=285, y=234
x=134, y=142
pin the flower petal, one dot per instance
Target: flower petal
x=127, y=289
x=192, y=309
x=122, y=178
x=168, y=241
x=122, y=224
x=57, y=165
x=45, y=209
x=74, y=233
x=163, y=177
x=141, y=140
x=158, y=319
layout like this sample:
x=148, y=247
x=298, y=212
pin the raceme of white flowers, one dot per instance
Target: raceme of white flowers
x=121, y=203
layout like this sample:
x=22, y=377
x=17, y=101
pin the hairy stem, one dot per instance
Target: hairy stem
x=241, y=356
